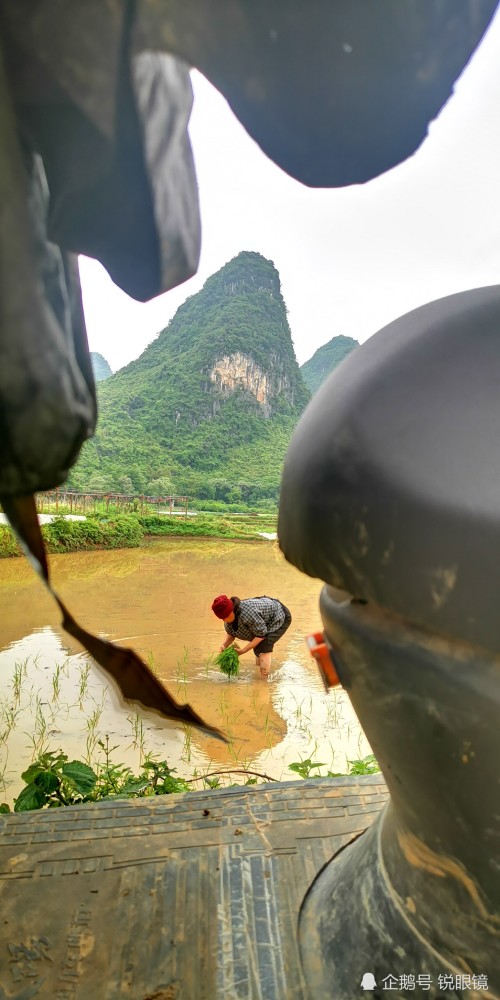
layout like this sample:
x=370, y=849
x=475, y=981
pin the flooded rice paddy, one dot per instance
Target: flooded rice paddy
x=157, y=599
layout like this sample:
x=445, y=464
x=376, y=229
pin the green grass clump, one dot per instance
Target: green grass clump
x=205, y=526
x=116, y=532
x=8, y=543
x=228, y=661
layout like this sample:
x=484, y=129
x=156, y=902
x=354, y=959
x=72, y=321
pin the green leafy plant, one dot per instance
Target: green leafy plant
x=229, y=662
x=162, y=779
x=367, y=765
x=304, y=767
x=53, y=780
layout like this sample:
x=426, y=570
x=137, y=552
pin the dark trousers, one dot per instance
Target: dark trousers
x=267, y=644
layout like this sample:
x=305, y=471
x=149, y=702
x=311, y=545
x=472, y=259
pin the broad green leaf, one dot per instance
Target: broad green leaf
x=4, y=808
x=134, y=787
x=47, y=781
x=31, y=797
x=81, y=775
x=31, y=772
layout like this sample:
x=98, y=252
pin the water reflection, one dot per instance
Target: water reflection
x=157, y=599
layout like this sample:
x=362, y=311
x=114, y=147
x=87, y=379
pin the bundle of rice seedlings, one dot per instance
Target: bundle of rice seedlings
x=228, y=661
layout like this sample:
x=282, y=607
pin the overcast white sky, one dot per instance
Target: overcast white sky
x=351, y=259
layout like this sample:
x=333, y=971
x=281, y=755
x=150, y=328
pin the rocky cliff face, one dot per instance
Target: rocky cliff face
x=240, y=371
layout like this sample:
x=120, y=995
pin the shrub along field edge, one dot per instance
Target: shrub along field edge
x=121, y=531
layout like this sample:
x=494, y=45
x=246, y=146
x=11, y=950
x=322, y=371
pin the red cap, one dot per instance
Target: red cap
x=222, y=606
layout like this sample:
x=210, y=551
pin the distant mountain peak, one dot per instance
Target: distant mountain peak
x=101, y=368
x=325, y=359
x=216, y=394
x=249, y=271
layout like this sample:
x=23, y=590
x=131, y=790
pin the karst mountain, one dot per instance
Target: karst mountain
x=100, y=367
x=325, y=359
x=211, y=404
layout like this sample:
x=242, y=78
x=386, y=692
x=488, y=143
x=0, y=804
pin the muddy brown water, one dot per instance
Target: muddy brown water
x=157, y=600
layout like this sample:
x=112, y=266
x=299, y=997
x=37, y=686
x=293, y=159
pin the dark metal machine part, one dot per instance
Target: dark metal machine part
x=390, y=487
x=419, y=893
x=390, y=491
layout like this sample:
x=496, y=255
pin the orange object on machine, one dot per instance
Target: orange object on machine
x=322, y=654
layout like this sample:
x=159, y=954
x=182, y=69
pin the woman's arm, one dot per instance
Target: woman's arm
x=227, y=642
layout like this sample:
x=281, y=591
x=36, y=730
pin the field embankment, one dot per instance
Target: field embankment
x=119, y=531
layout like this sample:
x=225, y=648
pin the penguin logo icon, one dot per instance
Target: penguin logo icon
x=368, y=981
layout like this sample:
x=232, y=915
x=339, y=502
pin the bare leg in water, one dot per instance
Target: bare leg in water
x=265, y=665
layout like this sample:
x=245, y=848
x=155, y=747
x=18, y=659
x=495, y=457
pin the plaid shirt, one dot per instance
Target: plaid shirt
x=256, y=617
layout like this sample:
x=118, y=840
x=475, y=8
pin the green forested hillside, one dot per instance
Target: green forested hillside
x=101, y=367
x=209, y=407
x=326, y=358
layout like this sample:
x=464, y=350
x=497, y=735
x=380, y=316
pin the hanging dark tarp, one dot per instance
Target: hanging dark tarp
x=119, y=185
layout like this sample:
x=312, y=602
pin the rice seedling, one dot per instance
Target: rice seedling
x=298, y=709
x=3, y=773
x=83, y=684
x=39, y=737
x=8, y=716
x=92, y=723
x=333, y=713
x=56, y=683
x=258, y=709
x=223, y=706
x=186, y=749
x=20, y=672
x=65, y=667
x=271, y=729
x=31, y=696
x=228, y=662
x=208, y=664
x=151, y=662
x=138, y=734
x=279, y=704
x=233, y=752
x=181, y=668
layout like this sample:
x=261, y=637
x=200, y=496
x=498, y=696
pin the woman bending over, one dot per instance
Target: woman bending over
x=259, y=620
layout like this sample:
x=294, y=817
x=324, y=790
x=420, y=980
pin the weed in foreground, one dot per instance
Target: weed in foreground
x=53, y=781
